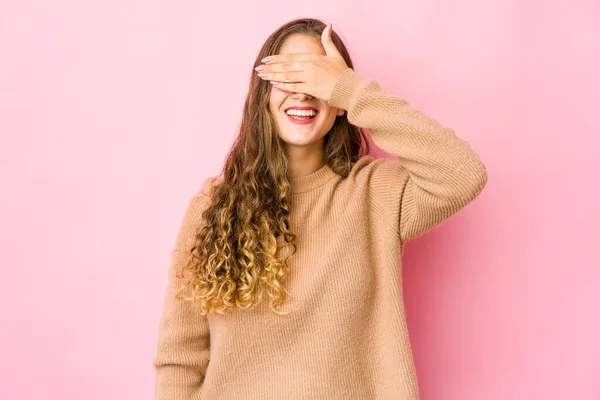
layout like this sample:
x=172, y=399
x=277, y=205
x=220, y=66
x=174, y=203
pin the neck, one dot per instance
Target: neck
x=305, y=160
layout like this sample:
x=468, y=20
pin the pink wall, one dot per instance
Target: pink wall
x=112, y=113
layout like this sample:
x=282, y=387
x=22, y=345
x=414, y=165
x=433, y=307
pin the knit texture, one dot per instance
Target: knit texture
x=345, y=336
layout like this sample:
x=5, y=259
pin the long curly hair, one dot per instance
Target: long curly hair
x=233, y=260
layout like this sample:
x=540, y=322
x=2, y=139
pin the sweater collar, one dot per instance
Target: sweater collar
x=312, y=181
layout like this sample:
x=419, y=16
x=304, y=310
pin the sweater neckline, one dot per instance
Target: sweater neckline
x=312, y=181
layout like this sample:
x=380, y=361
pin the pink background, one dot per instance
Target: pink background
x=112, y=113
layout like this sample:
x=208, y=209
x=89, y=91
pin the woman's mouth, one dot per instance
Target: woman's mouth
x=302, y=120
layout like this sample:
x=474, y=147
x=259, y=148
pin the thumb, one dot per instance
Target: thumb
x=327, y=42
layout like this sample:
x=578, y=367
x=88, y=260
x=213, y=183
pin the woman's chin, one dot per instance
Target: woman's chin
x=301, y=139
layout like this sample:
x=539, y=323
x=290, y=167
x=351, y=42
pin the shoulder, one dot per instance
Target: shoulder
x=201, y=199
x=207, y=186
x=204, y=192
x=376, y=174
x=379, y=184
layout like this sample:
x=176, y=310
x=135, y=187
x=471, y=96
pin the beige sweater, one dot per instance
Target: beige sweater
x=345, y=336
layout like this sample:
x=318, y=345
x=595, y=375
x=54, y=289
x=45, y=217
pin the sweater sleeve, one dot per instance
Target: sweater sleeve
x=438, y=173
x=183, y=347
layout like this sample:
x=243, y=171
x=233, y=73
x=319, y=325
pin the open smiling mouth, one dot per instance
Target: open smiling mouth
x=302, y=119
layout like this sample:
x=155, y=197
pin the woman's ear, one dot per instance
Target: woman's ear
x=340, y=112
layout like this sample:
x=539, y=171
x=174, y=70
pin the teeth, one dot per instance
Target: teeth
x=302, y=113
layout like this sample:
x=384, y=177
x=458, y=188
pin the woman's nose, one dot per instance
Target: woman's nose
x=302, y=96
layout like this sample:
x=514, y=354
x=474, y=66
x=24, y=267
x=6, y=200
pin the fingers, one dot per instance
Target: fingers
x=282, y=72
x=326, y=35
x=289, y=87
x=282, y=67
x=282, y=76
x=327, y=42
x=286, y=57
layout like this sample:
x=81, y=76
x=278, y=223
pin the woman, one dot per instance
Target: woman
x=284, y=280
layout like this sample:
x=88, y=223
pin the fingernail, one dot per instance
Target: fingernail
x=259, y=68
x=274, y=83
x=266, y=60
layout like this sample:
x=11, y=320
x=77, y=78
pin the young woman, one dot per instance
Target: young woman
x=285, y=277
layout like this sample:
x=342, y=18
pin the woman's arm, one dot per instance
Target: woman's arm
x=438, y=173
x=182, y=354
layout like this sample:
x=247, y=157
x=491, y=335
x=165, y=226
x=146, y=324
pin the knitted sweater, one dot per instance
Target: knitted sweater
x=345, y=336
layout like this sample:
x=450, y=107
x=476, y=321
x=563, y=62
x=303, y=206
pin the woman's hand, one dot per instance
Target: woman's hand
x=308, y=73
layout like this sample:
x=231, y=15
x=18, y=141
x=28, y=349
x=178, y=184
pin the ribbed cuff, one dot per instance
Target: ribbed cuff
x=347, y=83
